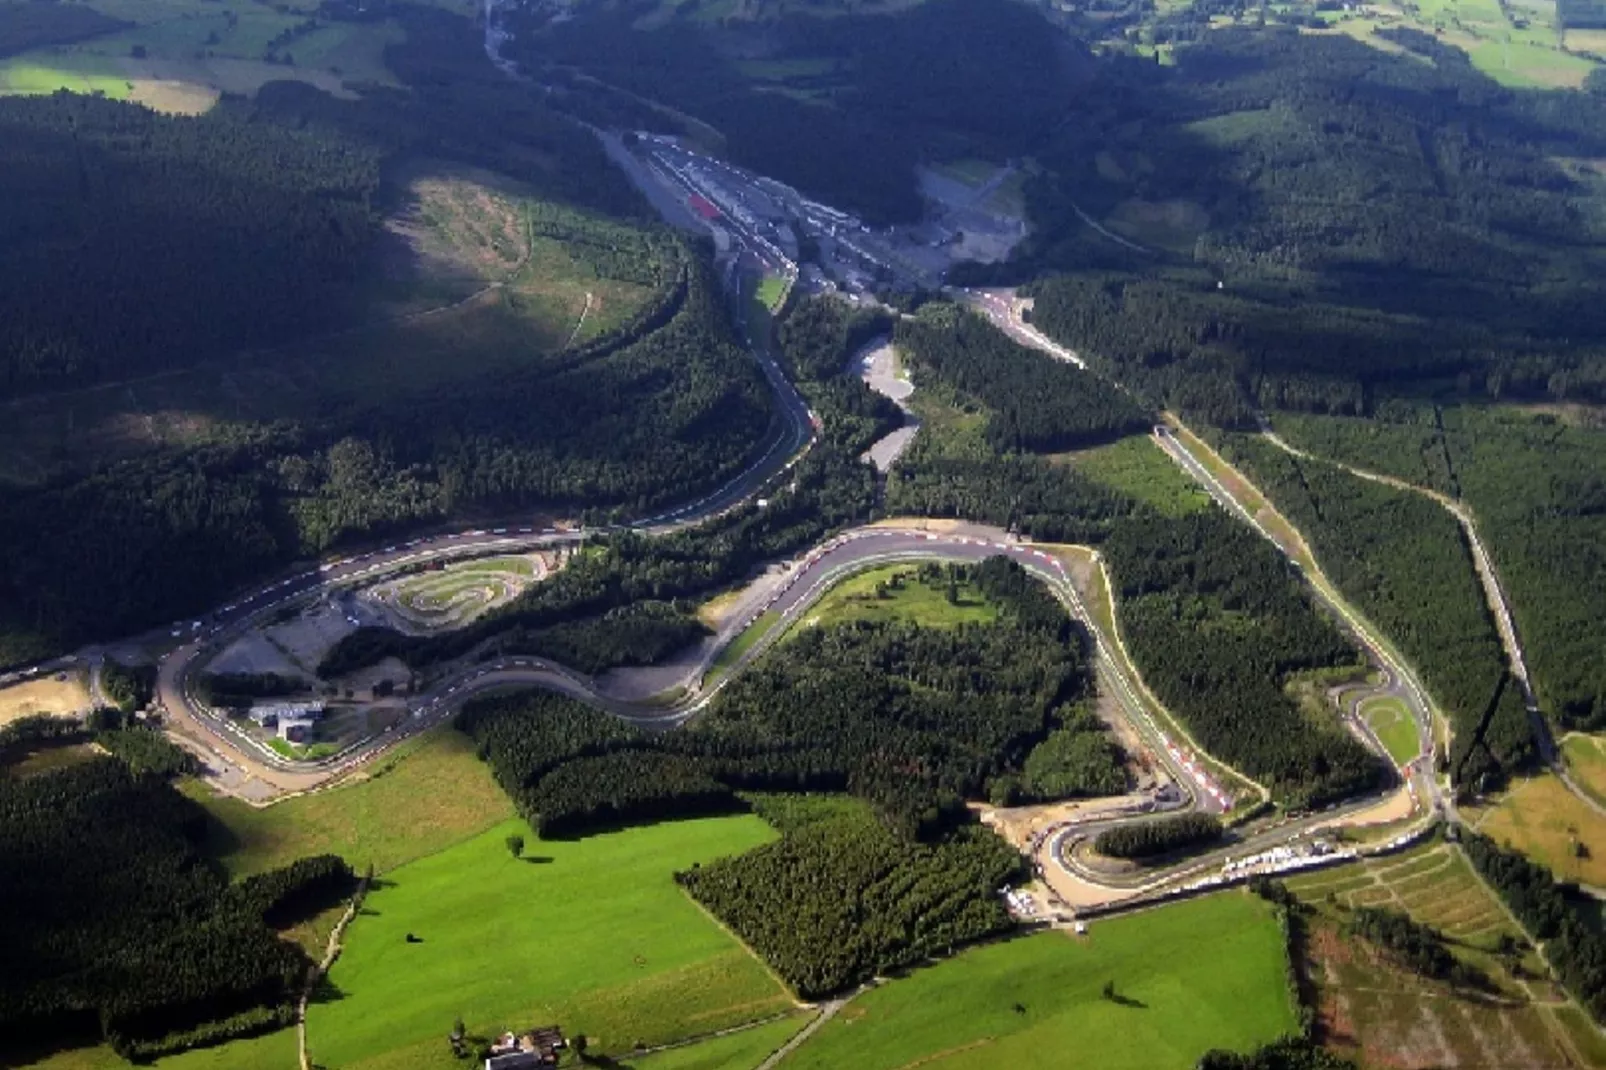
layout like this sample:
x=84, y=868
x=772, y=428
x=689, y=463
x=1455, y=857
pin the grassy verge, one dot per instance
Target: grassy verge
x=592, y=933
x=1202, y=974
x=896, y=592
x=1394, y=727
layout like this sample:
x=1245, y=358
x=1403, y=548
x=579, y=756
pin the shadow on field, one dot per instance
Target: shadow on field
x=539, y=860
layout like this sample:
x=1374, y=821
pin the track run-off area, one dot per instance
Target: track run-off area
x=239, y=764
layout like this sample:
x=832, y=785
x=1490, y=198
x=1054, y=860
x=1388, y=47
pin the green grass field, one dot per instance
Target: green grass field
x=1137, y=467
x=1203, y=974
x=593, y=934
x=855, y=599
x=738, y=1051
x=432, y=795
x=1394, y=726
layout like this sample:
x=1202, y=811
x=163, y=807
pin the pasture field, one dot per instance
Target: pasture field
x=1137, y=467
x=1515, y=44
x=1541, y=818
x=434, y=793
x=903, y=596
x=1586, y=763
x=179, y=55
x=738, y=1051
x=593, y=934
x=1203, y=974
x=462, y=301
x=47, y=695
x=274, y=1051
x=1394, y=726
x=1372, y=1010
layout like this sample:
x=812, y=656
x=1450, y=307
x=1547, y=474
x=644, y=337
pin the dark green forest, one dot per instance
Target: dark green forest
x=913, y=720
x=1534, y=483
x=1034, y=404
x=1404, y=560
x=1217, y=622
x=30, y=26
x=1558, y=915
x=628, y=427
x=1159, y=837
x=946, y=77
x=132, y=242
x=841, y=899
x=118, y=928
x=1373, y=219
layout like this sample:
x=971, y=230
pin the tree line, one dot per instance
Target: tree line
x=119, y=929
x=1419, y=948
x=1554, y=913
x=1161, y=836
x=582, y=612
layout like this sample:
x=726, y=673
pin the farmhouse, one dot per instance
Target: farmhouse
x=536, y=1048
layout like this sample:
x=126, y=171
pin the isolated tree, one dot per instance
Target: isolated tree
x=515, y=845
x=1109, y=991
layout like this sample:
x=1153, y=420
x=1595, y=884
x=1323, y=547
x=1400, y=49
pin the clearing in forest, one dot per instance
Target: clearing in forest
x=1541, y=818
x=1202, y=974
x=59, y=698
x=911, y=593
x=1135, y=466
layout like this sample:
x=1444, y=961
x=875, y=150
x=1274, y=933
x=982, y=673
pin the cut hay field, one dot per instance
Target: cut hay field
x=903, y=596
x=593, y=934
x=1198, y=975
x=1382, y=1015
x=48, y=695
x=424, y=798
x=1541, y=818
